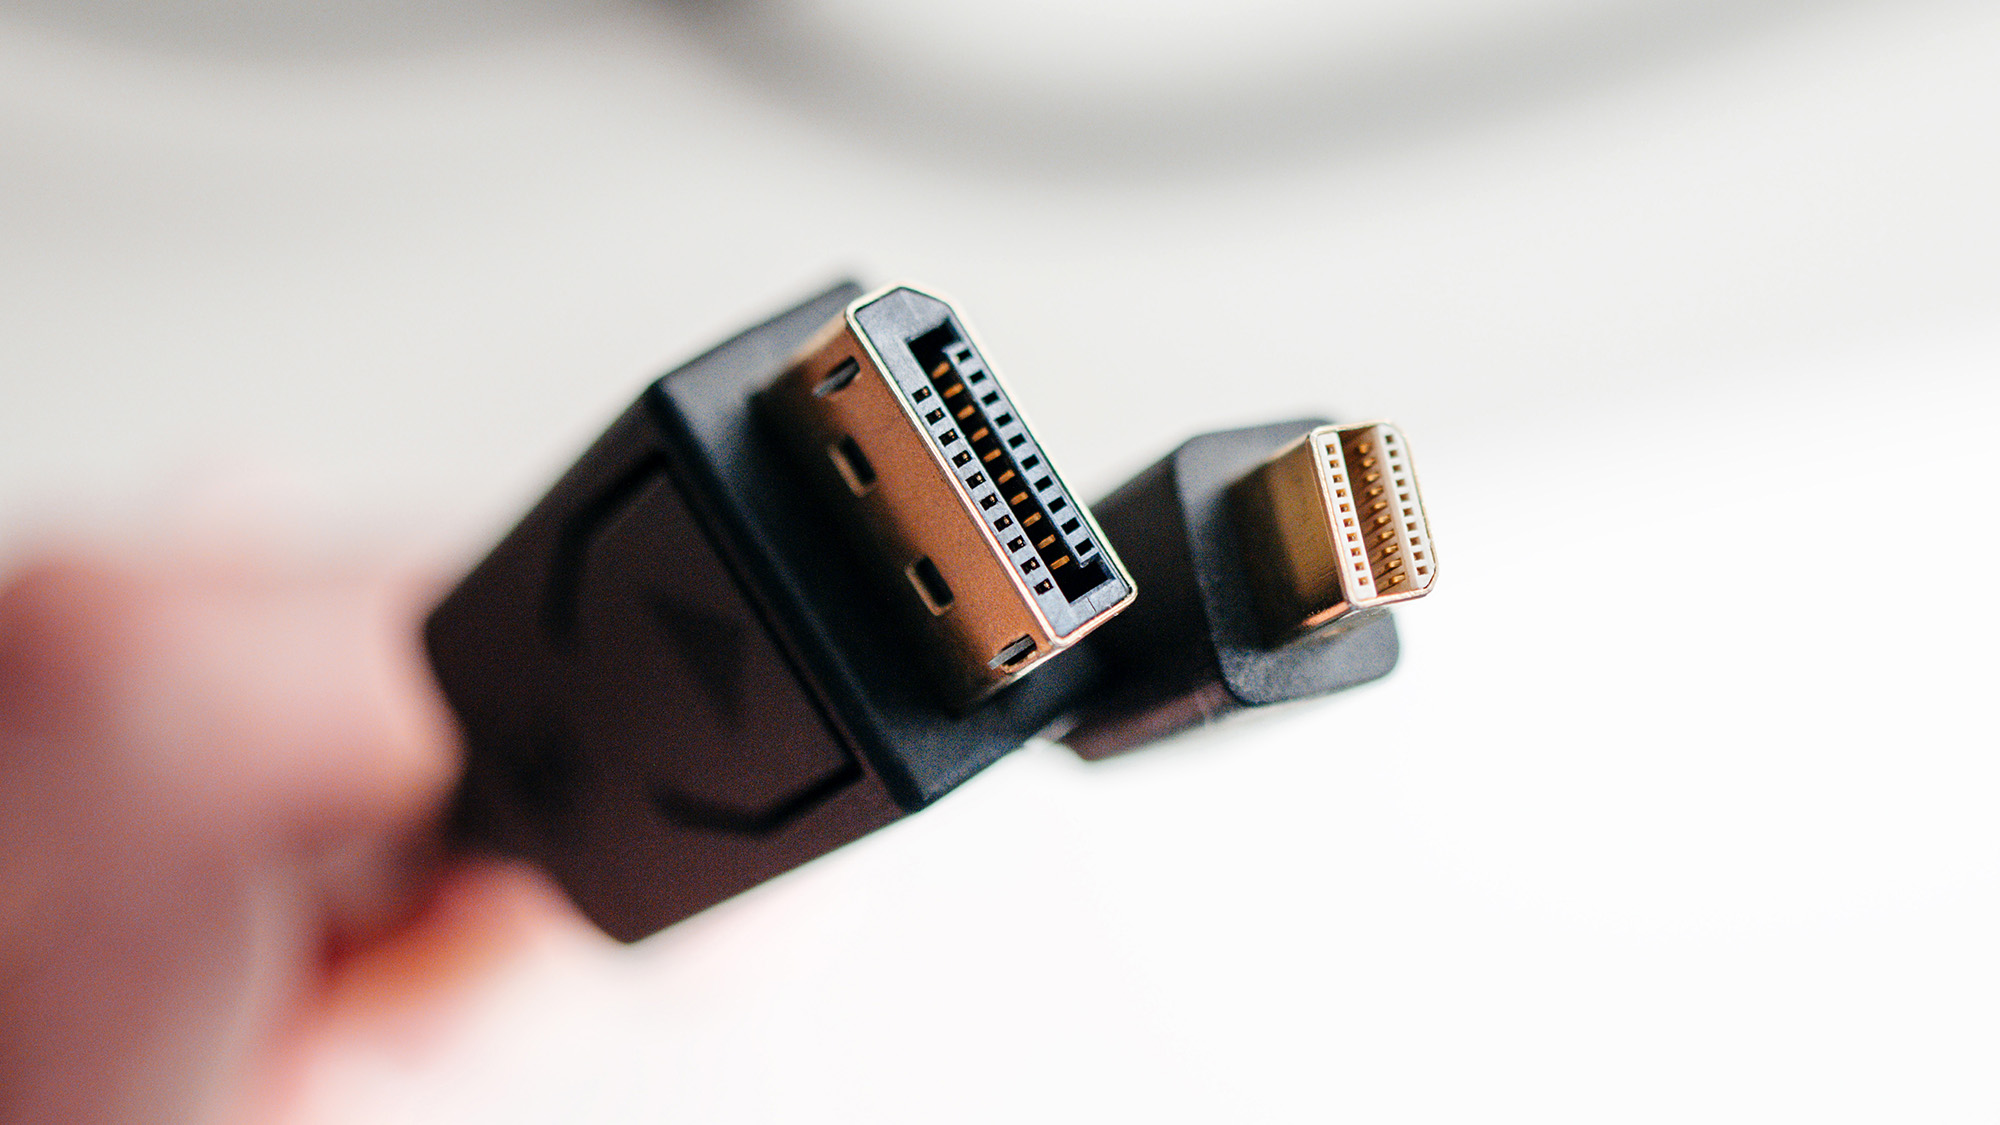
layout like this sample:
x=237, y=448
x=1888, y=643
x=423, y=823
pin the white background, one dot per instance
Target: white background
x=1685, y=801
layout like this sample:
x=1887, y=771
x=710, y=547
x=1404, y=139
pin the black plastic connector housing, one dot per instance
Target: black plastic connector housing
x=672, y=676
x=1193, y=649
x=676, y=680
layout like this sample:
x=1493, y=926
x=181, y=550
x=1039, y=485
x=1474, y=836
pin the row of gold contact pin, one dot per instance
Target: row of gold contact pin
x=1030, y=515
x=1358, y=580
x=1409, y=512
x=1386, y=497
x=1006, y=475
x=1397, y=544
x=993, y=459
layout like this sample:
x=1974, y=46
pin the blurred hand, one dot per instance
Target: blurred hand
x=219, y=795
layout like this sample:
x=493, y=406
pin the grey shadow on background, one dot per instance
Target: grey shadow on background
x=835, y=75
x=297, y=30
x=1305, y=111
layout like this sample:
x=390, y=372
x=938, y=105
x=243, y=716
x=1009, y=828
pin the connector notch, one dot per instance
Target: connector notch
x=854, y=466
x=838, y=378
x=1015, y=654
x=930, y=584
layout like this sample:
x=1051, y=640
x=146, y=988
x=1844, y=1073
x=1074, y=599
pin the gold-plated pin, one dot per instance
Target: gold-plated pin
x=1309, y=563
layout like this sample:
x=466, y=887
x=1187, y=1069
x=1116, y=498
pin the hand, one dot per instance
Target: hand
x=220, y=790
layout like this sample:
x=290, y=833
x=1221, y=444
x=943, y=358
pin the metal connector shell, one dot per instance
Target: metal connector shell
x=904, y=426
x=1333, y=525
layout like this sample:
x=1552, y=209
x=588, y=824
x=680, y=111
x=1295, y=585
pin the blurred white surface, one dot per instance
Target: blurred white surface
x=1694, y=821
